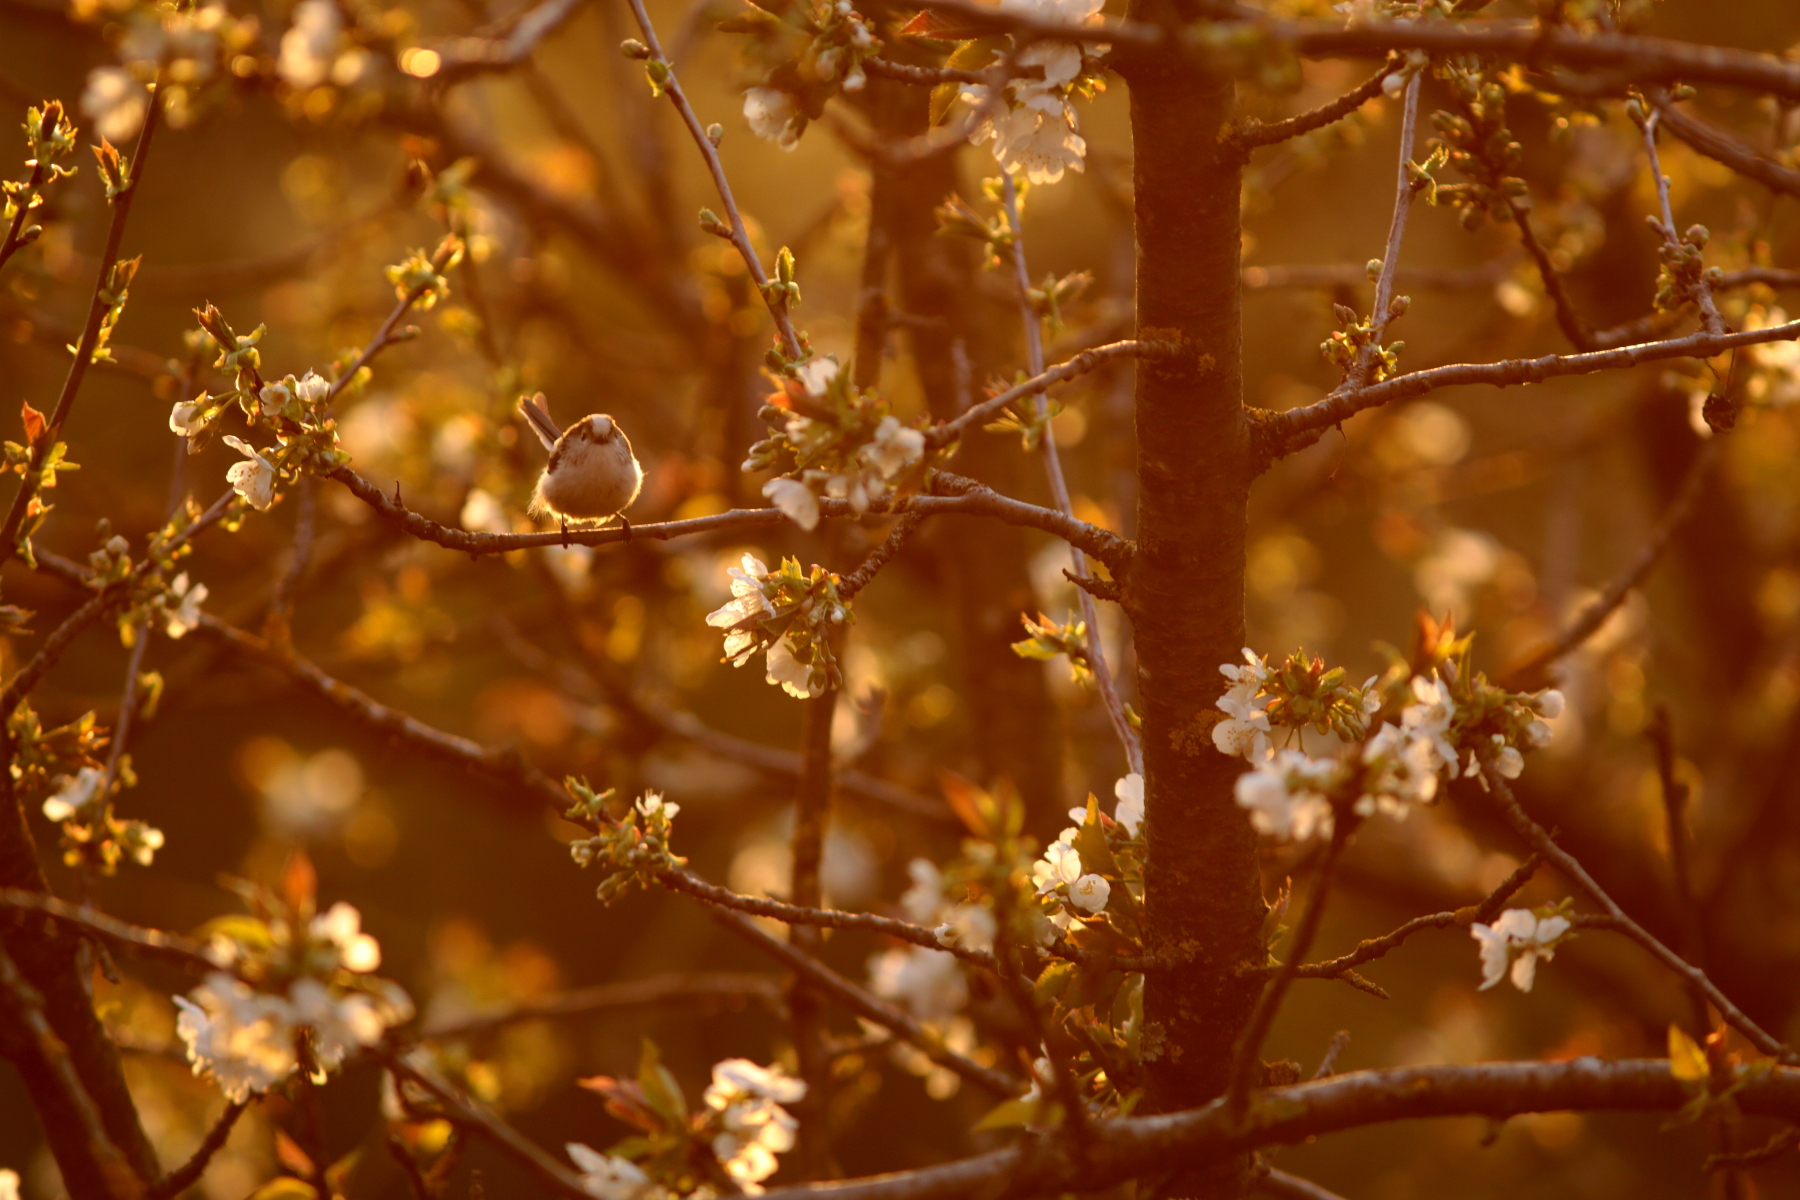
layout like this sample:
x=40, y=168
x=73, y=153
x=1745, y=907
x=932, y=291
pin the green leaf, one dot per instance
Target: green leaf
x=1010, y=1114
x=662, y=1092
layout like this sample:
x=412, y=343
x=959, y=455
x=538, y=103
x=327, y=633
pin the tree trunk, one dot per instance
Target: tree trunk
x=1186, y=591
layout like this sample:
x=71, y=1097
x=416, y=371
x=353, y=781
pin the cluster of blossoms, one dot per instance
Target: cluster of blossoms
x=194, y=45
x=833, y=40
x=633, y=843
x=90, y=829
x=1030, y=119
x=295, y=990
x=743, y=1124
x=844, y=442
x=1450, y=719
x=788, y=614
x=1513, y=944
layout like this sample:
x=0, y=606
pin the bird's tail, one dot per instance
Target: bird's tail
x=537, y=415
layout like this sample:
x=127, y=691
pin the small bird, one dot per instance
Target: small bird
x=592, y=475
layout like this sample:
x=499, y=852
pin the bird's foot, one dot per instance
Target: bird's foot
x=565, y=532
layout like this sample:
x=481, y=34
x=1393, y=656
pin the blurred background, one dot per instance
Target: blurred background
x=281, y=196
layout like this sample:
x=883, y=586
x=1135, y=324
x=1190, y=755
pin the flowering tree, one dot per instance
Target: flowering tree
x=1058, y=900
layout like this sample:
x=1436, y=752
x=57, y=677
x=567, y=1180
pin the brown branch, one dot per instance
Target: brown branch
x=882, y=68
x=152, y=943
x=1080, y=364
x=25, y=1005
x=979, y=500
x=1784, y=1141
x=188, y=1173
x=866, y=1004
x=740, y=236
x=465, y=58
x=1139, y=1146
x=1283, y=432
x=59, y=640
x=1292, y=1187
x=472, y=1115
x=806, y=1015
x=1723, y=148
x=90, y=333
x=1539, y=839
x=879, y=557
x=1373, y=948
x=660, y=990
x=1253, y=133
x=1533, y=673
x=502, y=764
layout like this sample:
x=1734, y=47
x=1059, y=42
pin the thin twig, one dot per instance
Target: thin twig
x=1540, y=840
x=1077, y=365
x=1059, y=487
x=1725, y=149
x=90, y=333
x=188, y=1173
x=466, y=57
x=1373, y=948
x=1700, y=291
x=1292, y=1187
x=1533, y=671
x=1249, y=1046
x=474, y=1116
x=1253, y=133
x=1339, y=1042
x=1778, y=1145
x=978, y=500
x=1289, y=427
x=384, y=336
x=740, y=236
x=1381, y=314
x=866, y=1004
x=661, y=990
x=879, y=557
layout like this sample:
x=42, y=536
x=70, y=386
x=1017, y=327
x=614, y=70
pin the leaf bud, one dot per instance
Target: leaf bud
x=632, y=48
x=1373, y=269
x=715, y=133
x=1696, y=235
x=1398, y=305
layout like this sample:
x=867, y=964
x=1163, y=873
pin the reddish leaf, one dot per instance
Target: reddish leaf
x=34, y=422
x=946, y=27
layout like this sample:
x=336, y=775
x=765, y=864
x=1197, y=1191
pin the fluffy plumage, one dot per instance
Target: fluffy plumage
x=592, y=475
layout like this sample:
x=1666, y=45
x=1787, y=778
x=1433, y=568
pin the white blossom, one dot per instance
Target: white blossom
x=185, y=614
x=1520, y=937
x=187, y=418
x=242, y=1038
x=609, y=1177
x=1033, y=130
x=1289, y=796
x=924, y=900
x=339, y=1024
x=313, y=388
x=815, y=375
x=310, y=45
x=755, y=1128
x=895, y=447
x=116, y=101
x=1060, y=867
x=748, y=602
x=253, y=480
x=928, y=982
x=1403, y=770
x=971, y=926
x=9, y=1184
x=772, y=115
x=1431, y=716
x=340, y=926
x=1129, y=811
x=1548, y=703
x=651, y=805
x=793, y=676
x=74, y=793
x=796, y=500
x=1090, y=893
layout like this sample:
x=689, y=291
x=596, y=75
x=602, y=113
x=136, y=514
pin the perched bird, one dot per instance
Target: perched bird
x=592, y=475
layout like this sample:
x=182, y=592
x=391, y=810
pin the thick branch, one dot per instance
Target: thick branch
x=152, y=943
x=1721, y=147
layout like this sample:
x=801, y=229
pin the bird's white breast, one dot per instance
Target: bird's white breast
x=591, y=480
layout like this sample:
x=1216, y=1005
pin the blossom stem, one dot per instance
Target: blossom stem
x=1059, y=487
x=1539, y=839
x=98, y=307
x=740, y=236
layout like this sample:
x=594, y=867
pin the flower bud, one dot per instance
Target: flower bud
x=632, y=48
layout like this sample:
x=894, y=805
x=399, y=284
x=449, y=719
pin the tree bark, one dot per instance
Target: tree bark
x=1185, y=594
